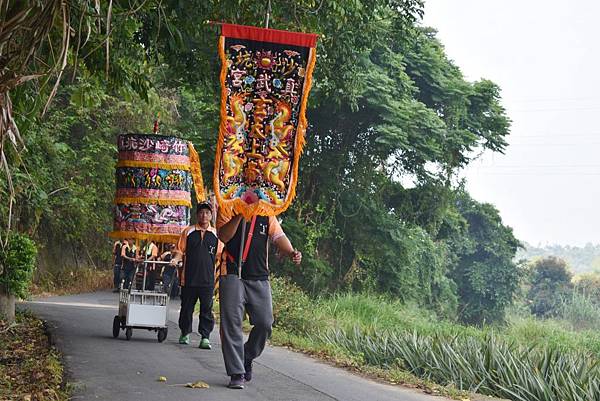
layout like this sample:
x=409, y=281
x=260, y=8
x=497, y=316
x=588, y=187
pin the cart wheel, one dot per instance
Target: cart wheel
x=162, y=334
x=128, y=333
x=116, y=326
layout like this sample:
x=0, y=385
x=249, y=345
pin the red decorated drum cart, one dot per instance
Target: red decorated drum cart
x=154, y=179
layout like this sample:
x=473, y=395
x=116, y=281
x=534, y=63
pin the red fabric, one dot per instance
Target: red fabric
x=269, y=35
x=249, y=240
x=247, y=247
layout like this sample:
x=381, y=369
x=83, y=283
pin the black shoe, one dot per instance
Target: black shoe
x=248, y=369
x=236, y=382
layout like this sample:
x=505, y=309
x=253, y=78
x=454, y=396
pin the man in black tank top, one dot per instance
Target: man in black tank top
x=248, y=290
x=117, y=264
x=198, y=244
x=130, y=256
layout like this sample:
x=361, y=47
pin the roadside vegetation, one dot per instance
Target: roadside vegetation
x=66, y=281
x=524, y=359
x=30, y=368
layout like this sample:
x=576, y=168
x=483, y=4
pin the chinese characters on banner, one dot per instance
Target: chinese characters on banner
x=265, y=81
x=154, y=178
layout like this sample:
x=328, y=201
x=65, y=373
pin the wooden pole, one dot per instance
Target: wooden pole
x=242, y=245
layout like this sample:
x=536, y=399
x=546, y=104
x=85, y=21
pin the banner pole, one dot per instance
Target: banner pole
x=268, y=14
x=242, y=244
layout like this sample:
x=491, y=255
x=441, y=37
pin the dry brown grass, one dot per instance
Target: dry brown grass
x=71, y=281
x=30, y=368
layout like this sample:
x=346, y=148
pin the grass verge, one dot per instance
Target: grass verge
x=30, y=368
x=300, y=320
x=528, y=360
x=71, y=281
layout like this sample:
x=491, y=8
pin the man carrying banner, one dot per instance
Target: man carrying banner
x=249, y=291
x=198, y=246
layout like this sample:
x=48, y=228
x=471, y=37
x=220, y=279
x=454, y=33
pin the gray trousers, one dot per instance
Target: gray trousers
x=235, y=296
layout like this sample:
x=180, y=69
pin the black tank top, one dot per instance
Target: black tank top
x=128, y=264
x=118, y=256
x=200, y=259
x=255, y=267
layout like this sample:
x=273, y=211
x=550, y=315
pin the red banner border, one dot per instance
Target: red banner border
x=269, y=35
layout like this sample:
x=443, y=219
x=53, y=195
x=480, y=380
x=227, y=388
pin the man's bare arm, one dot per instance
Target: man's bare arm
x=227, y=230
x=285, y=247
x=177, y=257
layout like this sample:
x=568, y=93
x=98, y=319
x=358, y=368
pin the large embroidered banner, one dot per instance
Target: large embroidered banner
x=154, y=178
x=265, y=81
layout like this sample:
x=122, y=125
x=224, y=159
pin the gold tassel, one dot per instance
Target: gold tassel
x=197, y=174
x=168, y=238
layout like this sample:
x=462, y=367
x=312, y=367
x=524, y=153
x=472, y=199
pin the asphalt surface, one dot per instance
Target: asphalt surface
x=104, y=368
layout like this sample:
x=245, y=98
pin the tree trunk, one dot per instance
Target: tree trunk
x=7, y=305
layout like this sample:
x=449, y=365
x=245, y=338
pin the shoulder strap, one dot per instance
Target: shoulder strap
x=249, y=240
x=229, y=257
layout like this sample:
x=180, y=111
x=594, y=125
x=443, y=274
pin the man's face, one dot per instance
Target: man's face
x=204, y=216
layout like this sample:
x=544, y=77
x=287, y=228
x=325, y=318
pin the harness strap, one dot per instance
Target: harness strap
x=247, y=247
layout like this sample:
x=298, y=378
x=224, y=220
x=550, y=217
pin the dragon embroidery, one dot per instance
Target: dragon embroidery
x=237, y=125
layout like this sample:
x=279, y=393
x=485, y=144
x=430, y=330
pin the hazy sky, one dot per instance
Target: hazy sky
x=545, y=56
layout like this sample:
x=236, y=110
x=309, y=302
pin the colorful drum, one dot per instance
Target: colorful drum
x=154, y=179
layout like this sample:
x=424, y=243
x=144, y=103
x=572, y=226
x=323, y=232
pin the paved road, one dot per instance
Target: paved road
x=104, y=368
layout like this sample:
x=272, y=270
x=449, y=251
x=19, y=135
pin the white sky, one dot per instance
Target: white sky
x=545, y=55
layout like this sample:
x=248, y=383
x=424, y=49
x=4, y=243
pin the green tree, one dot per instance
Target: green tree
x=550, y=282
x=41, y=42
x=589, y=285
x=416, y=119
x=484, y=271
x=17, y=263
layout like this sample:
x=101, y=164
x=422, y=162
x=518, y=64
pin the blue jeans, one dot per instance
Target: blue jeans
x=117, y=275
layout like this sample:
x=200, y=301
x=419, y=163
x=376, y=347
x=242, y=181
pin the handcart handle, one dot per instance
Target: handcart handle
x=157, y=262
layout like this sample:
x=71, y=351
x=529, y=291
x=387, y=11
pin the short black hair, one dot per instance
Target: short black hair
x=203, y=205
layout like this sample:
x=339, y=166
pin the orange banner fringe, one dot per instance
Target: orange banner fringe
x=197, y=174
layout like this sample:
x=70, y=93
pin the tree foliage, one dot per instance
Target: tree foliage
x=484, y=271
x=550, y=282
x=392, y=122
x=17, y=263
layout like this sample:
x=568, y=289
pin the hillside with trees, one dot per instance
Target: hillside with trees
x=583, y=259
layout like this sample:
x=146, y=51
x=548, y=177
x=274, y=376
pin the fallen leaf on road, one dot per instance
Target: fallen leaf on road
x=162, y=379
x=198, y=384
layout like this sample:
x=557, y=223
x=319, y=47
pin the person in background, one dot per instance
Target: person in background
x=197, y=248
x=150, y=253
x=130, y=257
x=169, y=272
x=117, y=264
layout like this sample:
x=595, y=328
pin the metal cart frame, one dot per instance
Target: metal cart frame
x=143, y=309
